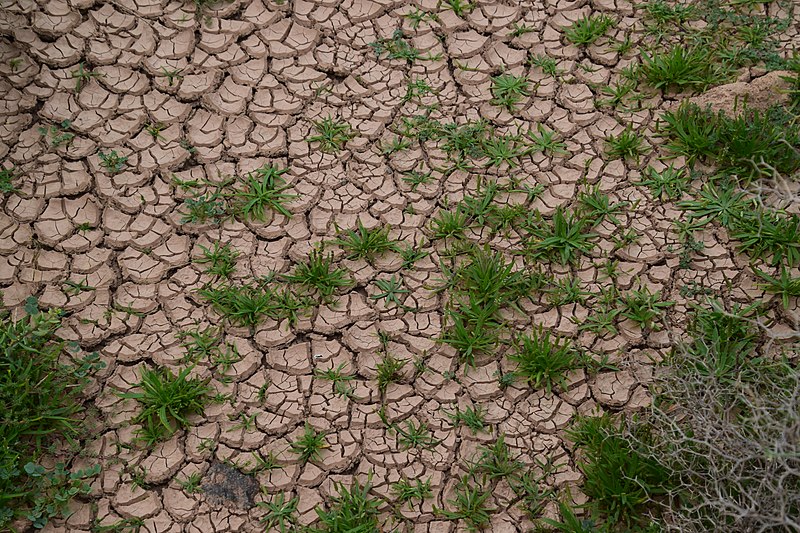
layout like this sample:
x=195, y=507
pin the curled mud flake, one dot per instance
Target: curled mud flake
x=613, y=389
x=465, y=44
x=141, y=267
x=294, y=360
x=179, y=505
x=164, y=461
x=131, y=501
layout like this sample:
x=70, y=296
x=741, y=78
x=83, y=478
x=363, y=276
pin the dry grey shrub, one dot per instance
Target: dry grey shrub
x=732, y=442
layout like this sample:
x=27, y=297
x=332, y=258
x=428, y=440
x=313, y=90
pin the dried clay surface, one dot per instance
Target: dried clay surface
x=189, y=101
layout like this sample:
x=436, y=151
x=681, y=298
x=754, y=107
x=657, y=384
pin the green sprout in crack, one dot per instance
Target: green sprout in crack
x=82, y=76
x=332, y=134
x=112, y=161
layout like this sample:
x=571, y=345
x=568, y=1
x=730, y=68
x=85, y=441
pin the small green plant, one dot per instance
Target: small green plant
x=669, y=184
x=509, y=90
x=693, y=133
x=340, y=379
x=191, y=484
x=221, y=259
x=618, y=93
x=415, y=179
x=627, y=145
x=470, y=505
x=587, y=29
x=679, y=68
x=309, y=445
x=544, y=360
x=397, y=144
x=154, y=129
x=262, y=191
x=786, y=285
x=407, y=491
x=416, y=89
x=471, y=417
x=596, y=206
x=499, y=149
x=7, y=177
x=459, y=7
x=548, y=64
x=411, y=254
x=351, y=510
x=418, y=16
x=643, y=307
x=545, y=141
x=207, y=345
x=415, y=436
x=723, y=340
x=472, y=329
x=58, y=487
x=82, y=76
x=167, y=401
x=564, y=240
x=389, y=370
x=318, y=275
x=397, y=47
x=767, y=234
x=363, y=243
x=58, y=135
x=209, y=206
x=112, y=162
x=281, y=514
x=570, y=523
x=721, y=202
x=172, y=74
x=391, y=290
x=449, y=224
x=332, y=134
x=496, y=462
x=74, y=288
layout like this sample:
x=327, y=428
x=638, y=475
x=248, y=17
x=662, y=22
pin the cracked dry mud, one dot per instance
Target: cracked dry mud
x=254, y=75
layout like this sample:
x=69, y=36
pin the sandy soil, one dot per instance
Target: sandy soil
x=253, y=75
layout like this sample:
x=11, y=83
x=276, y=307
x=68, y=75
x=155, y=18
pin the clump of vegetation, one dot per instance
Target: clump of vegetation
x=755, y=143
x=352, y=509
x=587, y=29
x=112, y=161
x=221, y=259
x=319, y=276
x=167, y=401
x=544, y=360
x=509, y=90
x=59, y=135
x=7, y=176
x=309, y=445
x=364, y=243
x=627, y=145
x=470, y=505
x=249, y=304
x=40, y=407
x=564, y=240
x=679, y=68
x=619, y=478
x=332, y=134
x=262, y=191
x=721, y=426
